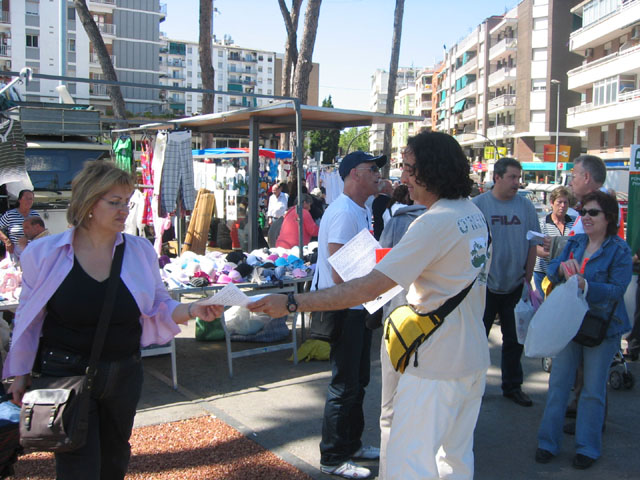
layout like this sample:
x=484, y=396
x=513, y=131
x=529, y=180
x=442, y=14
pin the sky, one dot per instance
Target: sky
x=353, y=38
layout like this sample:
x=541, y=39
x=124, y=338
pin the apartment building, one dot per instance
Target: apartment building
x=378, y=100
x=498, y=87
x=30, y=35
x=607, y=38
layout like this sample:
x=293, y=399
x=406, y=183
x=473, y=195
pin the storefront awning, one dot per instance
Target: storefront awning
x=459, y=106
x=443, y=113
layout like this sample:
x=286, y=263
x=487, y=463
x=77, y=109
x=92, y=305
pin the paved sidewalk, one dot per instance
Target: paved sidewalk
x=279, y=405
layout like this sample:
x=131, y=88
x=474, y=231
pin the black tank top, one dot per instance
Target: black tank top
x=72, y=317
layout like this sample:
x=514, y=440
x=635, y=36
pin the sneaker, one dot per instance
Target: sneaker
x=367, y=452
x=346, y=470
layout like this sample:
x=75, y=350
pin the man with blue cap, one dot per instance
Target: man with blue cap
x=343, y=421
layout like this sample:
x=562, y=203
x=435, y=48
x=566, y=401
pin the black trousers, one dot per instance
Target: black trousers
x=114, y=398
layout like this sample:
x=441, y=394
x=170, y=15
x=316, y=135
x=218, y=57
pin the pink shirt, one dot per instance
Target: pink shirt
x=47, y=262
x=289, y=231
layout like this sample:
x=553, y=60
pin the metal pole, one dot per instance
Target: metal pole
x=299, y=140
x=557, y=84
x=254, y=150
x=62, y=34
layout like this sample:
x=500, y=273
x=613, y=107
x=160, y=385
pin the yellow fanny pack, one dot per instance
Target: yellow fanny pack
x=405, y=329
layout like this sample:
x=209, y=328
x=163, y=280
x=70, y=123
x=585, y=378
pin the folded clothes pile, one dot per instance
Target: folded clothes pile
x=260, y=267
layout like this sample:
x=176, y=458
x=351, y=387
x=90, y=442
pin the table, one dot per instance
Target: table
x=289, y=285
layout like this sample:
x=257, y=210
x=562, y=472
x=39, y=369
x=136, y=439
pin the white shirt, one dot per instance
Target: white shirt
x=277, y=205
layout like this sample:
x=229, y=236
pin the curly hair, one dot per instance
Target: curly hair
x=560, y=192
x=441, y=166
x=609, y=206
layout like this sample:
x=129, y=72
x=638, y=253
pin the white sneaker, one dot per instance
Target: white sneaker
x=346, y=470
x=367, y=452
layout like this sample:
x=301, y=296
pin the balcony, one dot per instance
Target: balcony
x=5, y=51
x=606, y=28
x=426, y=105
x=470, y=89
x=469, y=114
x=175, y=62
x=503, y=48
x=502, y=76
x=94, y=60
x=587, y=115
x=503, y=102
x=466, y=138
x=5, y=17
x=106, y=2
x=98, y=89
x=467, y=67
x=501, y=131
x=107, y=29
x=617, y=63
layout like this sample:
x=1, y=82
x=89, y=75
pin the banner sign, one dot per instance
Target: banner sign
x=490, y=153
x=633, y=213
x=550, y=153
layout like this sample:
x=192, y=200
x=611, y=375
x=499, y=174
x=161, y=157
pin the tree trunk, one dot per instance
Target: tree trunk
x=290, y=54
x=304, y=63
x=393, y=76
x=206, y=64
x=95, y=37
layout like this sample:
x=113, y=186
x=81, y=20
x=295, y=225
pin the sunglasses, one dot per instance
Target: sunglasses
x=592, y=212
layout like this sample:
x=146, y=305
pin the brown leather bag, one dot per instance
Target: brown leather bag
x=55, y=413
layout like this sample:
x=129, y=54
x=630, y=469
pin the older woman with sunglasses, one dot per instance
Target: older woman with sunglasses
x=603, y=260
x=65, y=278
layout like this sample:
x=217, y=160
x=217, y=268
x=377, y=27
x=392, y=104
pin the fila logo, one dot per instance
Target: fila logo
x=503, y=220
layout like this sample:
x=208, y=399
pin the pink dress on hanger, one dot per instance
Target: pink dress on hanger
x=146, y=158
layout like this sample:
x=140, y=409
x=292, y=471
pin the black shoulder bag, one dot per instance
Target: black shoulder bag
x=55, y=413
x=594, y=328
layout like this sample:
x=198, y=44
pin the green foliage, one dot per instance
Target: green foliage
x=354, y=139
x=325, y=140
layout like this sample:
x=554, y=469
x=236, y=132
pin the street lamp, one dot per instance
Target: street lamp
x=557, y=84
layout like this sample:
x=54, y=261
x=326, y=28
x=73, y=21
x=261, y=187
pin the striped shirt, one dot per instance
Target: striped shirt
x=547, y=227
x=11, y=223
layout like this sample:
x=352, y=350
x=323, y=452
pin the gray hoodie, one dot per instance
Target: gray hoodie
x=399, y=223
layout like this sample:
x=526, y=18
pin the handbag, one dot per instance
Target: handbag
x=594, y=328
x=55, y=413
x=405, y=329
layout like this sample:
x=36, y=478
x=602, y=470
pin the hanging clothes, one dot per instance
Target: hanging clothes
x=123, y=149
x=146, y=161
x=177, y=174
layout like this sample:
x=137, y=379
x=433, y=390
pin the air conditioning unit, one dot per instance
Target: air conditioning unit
x=588, y=52
x=635, y=33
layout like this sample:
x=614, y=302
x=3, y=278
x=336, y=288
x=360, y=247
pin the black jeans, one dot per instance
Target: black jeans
x=114, y=398
x=343, y=421
x=504, y=305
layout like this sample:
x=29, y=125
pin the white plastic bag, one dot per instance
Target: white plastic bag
x=241, y=321
x=557, y=320
x=524, y=312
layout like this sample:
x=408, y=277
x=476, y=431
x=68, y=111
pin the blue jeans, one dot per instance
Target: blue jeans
x=343, y=421
x=591, y=404
x=537, y=280
x=503, y=305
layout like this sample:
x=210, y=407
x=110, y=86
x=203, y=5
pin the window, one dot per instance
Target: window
x=71, y=14
x=259, y=90
x=539, y=85
x=269, y=70
x=260, y=57
x=605, y=91
x=604, y=136
x=260, y=68
x=189, y=50
x=176, y=84
x=270, y=59
x=188, y=73
x=71, y=45
x=32, y=8
x=619, y=134
x=32, y=40
x=219, y=99
x=189, y=85
x=538, y=116
x=539, y=54
x=541, y=23
x=220, y=53
x=189, y=62
x=199, y=74
x=269, y=92
x=269, y=80
x=219, y=64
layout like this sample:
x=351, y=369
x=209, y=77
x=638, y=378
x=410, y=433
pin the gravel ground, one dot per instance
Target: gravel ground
x=198, y=448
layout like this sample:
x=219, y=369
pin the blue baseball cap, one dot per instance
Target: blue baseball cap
x=354, y=159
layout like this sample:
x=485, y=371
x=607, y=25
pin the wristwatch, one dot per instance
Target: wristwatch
x=292, y=305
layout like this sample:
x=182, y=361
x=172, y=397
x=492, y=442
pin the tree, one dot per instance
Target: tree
x=393, y=76
x=325, y=140
x=304, y=63
x=291, y=45
x=206, y=65
x=354, y=139
x=95, y=37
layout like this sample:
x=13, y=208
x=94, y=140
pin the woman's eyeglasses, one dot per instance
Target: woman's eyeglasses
x=119, y=205
x=592, y=212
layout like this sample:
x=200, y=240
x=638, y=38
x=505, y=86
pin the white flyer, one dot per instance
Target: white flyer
x=230, y=296
x=355, y=259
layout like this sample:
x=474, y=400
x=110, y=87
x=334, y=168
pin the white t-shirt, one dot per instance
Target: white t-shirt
x=277, y=205
x=341, y=221
x=443, y=251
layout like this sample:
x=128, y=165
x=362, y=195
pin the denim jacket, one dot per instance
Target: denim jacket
x=608, y=273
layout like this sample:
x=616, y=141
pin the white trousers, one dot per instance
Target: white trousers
x=432, y=428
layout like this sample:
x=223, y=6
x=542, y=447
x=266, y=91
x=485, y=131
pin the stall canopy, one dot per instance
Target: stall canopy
x=239, y=152
x=277, y=117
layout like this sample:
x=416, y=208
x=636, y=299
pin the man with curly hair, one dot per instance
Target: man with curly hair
x=509, y=216
x=444, y=252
